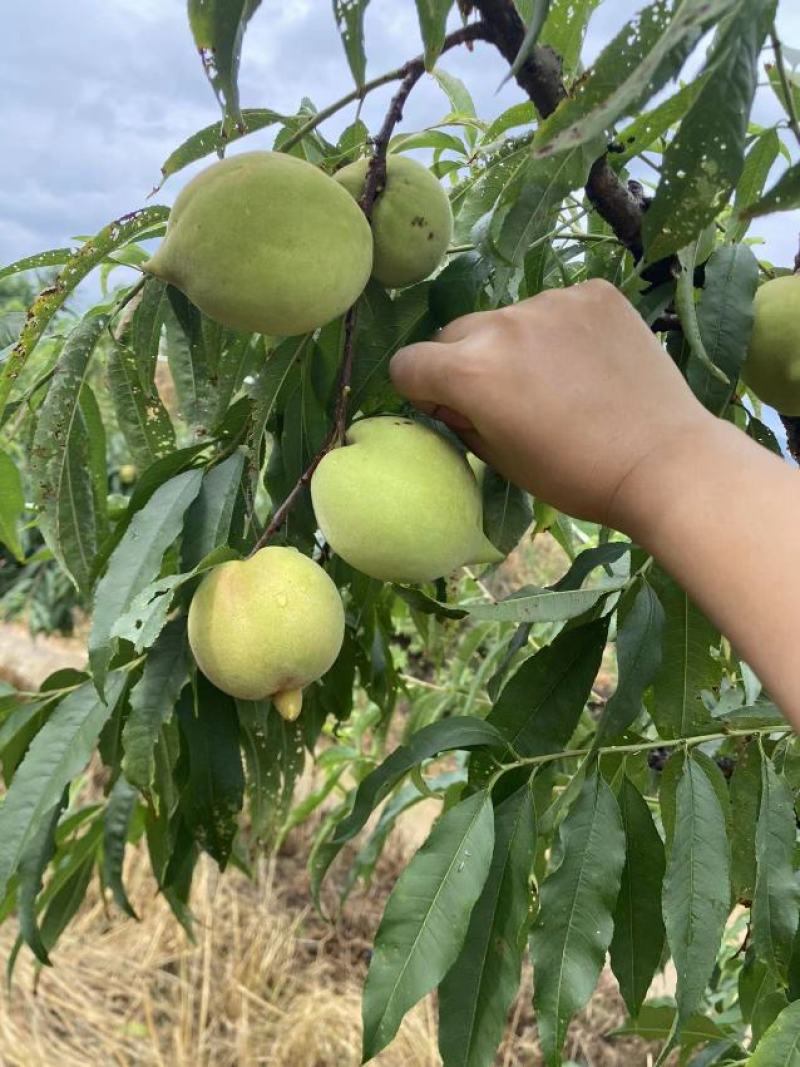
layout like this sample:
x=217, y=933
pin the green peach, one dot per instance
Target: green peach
x=772, y=367
x=266, y=626
x=400, y=503
x=412, y=221
x=266, y=242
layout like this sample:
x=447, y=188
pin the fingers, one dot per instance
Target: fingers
x=423, y=373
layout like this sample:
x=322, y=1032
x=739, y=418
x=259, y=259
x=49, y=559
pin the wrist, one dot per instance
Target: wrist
x=673, y=477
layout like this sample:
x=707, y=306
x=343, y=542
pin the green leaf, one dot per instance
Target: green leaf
x=757, y=166
x=432, y=16
x=142, y=417
x=686, y=667
x=208, y=520
x=116, y=824
x=384, y=325
x=214, y=794
x=725, y=319
x=565, y=29
x=214, y=139
x=540, y=705
x=638, y=925
x=426, y=918
x=59, y=751
x=32, y=865
x=783, y=196
x=507, y=511
x=780, y=1045
x=525, y=209
x=776, y=906
x=696, y=897
x=12, y=505
x=137, y=560
x=218, y=28
x=274, y=756
x=54, y=257
x=146, y=327
x=52, y=298
x=190, y=362
x=479, y=988
x=60, y=459
x=642, y=133
x=645, y=54
x=457, y=732
x=655, y=1023
x=640, y=626
x=574, y=924
x=538, y=16
x=745, y=793
x=349, y=16
x=456, y=291
x=705, y=158
x=152, y=700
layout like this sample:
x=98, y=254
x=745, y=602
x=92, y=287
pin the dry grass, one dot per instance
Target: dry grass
x=267, y=982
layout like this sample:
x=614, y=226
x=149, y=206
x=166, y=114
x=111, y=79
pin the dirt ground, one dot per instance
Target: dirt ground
x=267, y=981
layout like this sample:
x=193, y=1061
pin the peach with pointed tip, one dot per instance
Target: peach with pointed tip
x=400, y=503
x=266, y=626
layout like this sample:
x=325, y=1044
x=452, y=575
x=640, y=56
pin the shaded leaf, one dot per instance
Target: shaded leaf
x=745, y=792
x=432, y=16
x=274, y=755
x=142, y=417
x=116, y=824
x=349, y=16
x=638, y=925
x=780, y=1045
x=208, y=521
x=214, y=793
x=152, y=700
x=776, y=906
x=639, y=635
x=32, y=865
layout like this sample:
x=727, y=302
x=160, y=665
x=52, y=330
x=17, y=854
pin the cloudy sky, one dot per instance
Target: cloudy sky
x=96, y=93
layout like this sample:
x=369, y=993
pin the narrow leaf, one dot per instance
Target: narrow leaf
x=574, y=924
x=432, y=16
x=59, y=751
x=696, y=895
x=780, y=1045
x=48, y=302
x=479, y=988
x=116, y=824
x=142, y=417
x=776, y=906
x=12, y=505
x=152, y=701
x=136, y=561
x=60, y=459
x=457, y=732
x=208, y=520
x=638, y=925
x=427, y=917
x=349, y=16
x=783, y=196
x=218, y=28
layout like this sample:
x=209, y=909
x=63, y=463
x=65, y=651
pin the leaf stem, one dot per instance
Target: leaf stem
x=644, y=746
x=474, y=32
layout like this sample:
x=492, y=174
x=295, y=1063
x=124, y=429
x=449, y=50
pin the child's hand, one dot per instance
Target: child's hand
x=565, y=394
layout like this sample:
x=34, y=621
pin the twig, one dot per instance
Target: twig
x=474, y=32
x=373, y=184
x=791, y=110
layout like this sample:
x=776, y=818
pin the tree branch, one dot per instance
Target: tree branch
x=540, y=77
